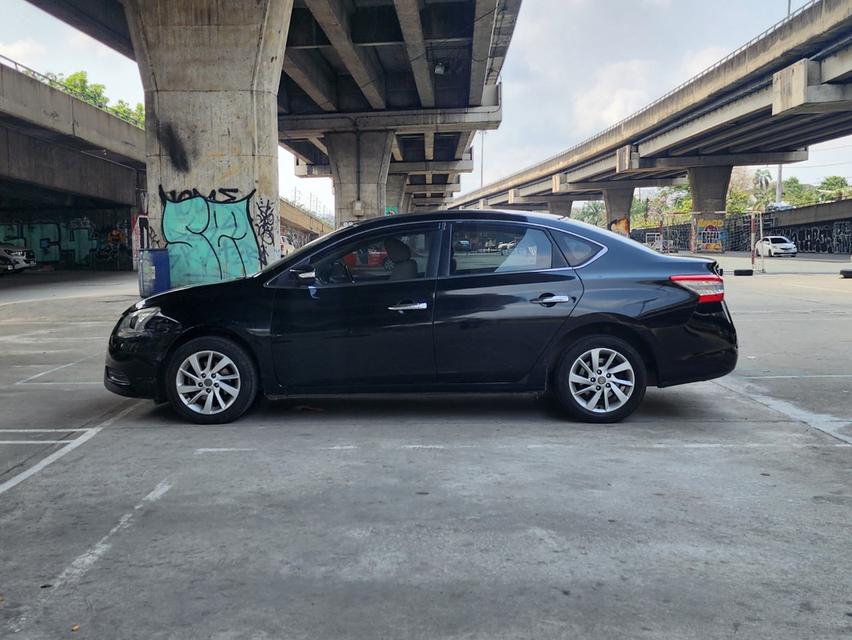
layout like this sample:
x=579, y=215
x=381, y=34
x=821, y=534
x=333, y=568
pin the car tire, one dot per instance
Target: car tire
x=229, y=363
x=575, y=400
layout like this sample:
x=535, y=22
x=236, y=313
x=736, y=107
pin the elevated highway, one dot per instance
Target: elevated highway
x=765, y=103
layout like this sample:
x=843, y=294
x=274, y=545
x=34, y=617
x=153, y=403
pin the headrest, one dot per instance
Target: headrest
x=397, y=250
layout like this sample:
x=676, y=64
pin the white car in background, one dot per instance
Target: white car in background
x=773, y=246
x=16, y=258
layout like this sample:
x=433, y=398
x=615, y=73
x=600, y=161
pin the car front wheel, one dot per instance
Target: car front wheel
x=211, y=380
x=601, y=379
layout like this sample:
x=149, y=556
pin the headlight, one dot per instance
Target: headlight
x=133, y=324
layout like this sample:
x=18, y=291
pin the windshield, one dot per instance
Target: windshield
x=779, y=240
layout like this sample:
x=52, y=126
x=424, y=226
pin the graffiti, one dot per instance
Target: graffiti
x=620, y=226
x=292, y=239
x=229, y=194
x=843, y=237
x=265, y=225
x=73, y=243
x=208, y=240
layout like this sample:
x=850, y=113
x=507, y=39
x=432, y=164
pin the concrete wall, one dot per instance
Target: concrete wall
x=41, y=163
x=39, y=104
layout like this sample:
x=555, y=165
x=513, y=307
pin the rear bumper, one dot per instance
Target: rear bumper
x=703, y=349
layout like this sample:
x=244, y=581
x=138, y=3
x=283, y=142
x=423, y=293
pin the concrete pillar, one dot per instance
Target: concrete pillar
x=359, y=168
x=709, y=187
x=407, y=205
x=618, y=202
x=561, y=208
x=395, y=191
x=210, y=71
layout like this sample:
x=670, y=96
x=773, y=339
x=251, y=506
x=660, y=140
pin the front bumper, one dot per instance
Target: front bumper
x=134, y=365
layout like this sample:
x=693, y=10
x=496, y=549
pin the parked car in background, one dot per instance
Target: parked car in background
x=6, y=264
x=572, y=310
x=773, y=246
x=778, y=206
x=20, y=258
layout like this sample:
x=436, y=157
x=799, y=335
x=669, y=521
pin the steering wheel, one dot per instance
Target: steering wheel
x=334, y=273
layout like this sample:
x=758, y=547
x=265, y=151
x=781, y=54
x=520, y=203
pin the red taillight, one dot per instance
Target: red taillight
x=710, y=288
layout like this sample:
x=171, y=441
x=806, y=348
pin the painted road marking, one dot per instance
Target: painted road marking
x=81, y=565
x=559, y=445
x=35, y=441
x=821, y=422
x=73, y=444
x=44, y=430
x=804, y=375
x=59, y=368
x=221, y=450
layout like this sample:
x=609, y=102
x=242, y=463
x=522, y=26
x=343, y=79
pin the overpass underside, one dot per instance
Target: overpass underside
x=382, y=96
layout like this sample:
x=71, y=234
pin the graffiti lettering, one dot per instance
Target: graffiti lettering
x=265, y=224
x=209, y=240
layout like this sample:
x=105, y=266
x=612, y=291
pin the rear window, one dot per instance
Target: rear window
x=778, y=240
x=577, y=250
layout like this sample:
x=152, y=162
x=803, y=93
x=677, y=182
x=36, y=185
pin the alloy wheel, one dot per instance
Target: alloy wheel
x=601, y=380
x=208, y=382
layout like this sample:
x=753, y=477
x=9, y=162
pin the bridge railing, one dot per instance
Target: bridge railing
x=59, y=85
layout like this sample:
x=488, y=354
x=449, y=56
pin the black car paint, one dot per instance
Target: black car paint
x=486, y=333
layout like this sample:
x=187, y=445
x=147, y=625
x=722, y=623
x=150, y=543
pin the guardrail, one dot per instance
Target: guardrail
x=64, y=88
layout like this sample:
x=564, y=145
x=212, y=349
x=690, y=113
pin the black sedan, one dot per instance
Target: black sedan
x=446, y=301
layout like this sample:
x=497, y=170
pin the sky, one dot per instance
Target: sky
x=574, y=68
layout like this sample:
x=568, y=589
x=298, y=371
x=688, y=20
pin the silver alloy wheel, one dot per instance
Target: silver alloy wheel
x=601, y=380
x=208, y=382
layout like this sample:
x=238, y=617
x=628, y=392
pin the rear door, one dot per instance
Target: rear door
x=504, y=292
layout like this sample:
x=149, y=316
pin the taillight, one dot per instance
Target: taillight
x=709, y=288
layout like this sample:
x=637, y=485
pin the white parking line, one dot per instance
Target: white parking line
x=60, y=367
x=800, y=376
x=44, y=430
x=221, y=450
x=35, y=441
x=73, y=444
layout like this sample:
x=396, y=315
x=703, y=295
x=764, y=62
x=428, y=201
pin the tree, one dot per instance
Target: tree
x=78, y=85
x=798, y=193
x=592, y=212
x=833, y=188
x=762, y=180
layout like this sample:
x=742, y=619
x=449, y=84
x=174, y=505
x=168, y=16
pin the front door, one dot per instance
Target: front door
x=365, y=320
x=506, y=292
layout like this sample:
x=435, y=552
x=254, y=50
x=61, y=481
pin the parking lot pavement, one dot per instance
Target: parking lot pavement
x=720, y=510
x=804, y=263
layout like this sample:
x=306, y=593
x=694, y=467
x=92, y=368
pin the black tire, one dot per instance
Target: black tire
x=563, y=391
x=248, y=379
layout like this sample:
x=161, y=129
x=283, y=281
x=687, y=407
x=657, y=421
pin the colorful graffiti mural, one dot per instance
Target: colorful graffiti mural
x=209, y=240
x=79, y=242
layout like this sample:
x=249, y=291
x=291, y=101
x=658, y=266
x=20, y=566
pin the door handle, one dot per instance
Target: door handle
x=408, y=306
x=548, y=298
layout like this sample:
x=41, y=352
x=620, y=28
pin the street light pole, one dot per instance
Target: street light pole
x=779, y=191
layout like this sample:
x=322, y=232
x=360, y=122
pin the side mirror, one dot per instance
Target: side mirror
x=304, y=275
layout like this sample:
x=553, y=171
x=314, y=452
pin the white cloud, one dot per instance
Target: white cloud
x=694, y=62
x=621, y=88
x=83, y=42
x=24, y=51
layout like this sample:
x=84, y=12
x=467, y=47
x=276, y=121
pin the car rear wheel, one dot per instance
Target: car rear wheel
x=211, y=380
x=601, y=379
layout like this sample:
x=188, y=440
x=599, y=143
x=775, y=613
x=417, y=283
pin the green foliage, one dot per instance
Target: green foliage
x=833, y=188
x=79, y=86
x=592, y=212
x=798, y=193
x=738, y=201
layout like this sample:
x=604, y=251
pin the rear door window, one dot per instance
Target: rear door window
x=578, y=251
x=481, y=248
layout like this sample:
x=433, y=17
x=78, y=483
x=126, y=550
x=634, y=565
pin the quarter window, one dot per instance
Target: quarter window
x=577, y=250
x=486, y=248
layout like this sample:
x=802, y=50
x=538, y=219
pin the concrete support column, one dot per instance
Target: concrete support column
x=395, y=191
x=618, y=202
x=407, y=205
x=561, y=208
x=709, y=187
x=359, y=168
x=211, y=70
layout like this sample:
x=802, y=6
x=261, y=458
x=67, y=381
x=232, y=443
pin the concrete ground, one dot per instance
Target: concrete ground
x=720, y=510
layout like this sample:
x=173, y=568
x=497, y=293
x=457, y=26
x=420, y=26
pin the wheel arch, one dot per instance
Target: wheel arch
x=202, y=331
x=627, y=332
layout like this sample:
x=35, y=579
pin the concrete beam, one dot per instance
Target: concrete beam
x=750, y=105
x=428, y=202
x=396, y=152
x=630, y=162
x=464, y=144
x=559, y=186
x=333, y=17
x=359, y=164
x=313, y=75
x=44, y=164
x=590, y=170
x=307, y=170
x=446, y=189
x=402, y=122
x=483, y=26
x=38, y=104
x=429, y=145
x=800, y=88
x=408, y=12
